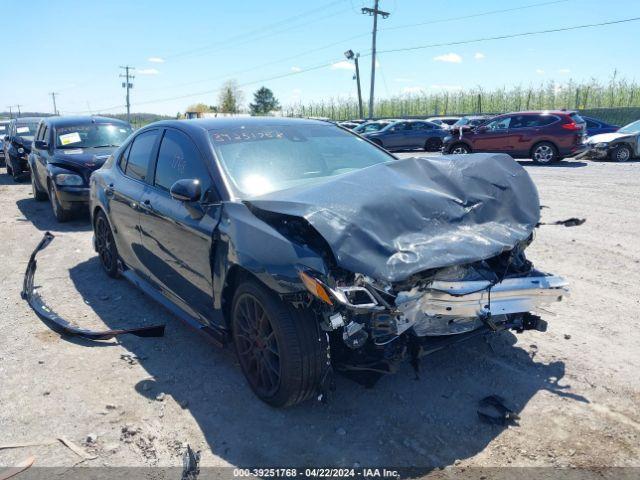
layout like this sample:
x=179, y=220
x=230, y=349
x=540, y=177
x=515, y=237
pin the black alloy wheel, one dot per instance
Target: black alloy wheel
x=106, y=246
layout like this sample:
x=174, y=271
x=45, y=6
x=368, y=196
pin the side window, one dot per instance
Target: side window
x=179, y=159
x=44, y=133
x=140, y=155
x=499, y=124
x=424, y=126
x=592, y=124
x=122, y=161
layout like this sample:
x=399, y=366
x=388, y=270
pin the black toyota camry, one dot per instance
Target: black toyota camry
x=312, y=250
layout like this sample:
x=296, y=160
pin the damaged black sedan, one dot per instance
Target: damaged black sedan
x=311, y=249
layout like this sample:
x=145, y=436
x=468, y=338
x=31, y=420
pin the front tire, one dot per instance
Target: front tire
x=282, y=351
x=621, y=153
x=544, y=153
x=106, y=245
x=38, y=195
x=62, y=215
x=459, y=149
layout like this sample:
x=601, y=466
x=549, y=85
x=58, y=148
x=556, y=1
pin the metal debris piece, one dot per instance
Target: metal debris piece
x=76, y=449
x=62, y=326
x=492, y=410
x=569, y=222
x=19, y=468
x=190, y=464
x=8, y=446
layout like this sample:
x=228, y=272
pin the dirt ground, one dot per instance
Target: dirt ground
x=137, y=402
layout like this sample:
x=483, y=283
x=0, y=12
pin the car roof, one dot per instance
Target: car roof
x=235, y=122
x=27, y=119
x=542, y=112
x=68, y=121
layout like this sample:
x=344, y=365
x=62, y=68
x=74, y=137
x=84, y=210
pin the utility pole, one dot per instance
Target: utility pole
x=53, y=97
x=354, y=56
x=128, y=85
x=18, y=107
x=375, y=11
x=10, y=112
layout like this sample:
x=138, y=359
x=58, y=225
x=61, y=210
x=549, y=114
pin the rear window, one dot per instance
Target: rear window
x=576, y=118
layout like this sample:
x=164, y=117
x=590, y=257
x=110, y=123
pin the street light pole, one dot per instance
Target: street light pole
x=354, y=56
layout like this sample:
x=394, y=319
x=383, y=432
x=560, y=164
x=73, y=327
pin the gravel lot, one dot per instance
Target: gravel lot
x=576, y=387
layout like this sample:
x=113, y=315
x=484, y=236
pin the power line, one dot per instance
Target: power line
x=475, y=15
x=327, y=64
x=514, y=35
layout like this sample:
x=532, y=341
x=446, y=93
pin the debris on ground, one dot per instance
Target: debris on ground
x=19, y=468
x=190, y=464
x=76, y=449
x=492, y=410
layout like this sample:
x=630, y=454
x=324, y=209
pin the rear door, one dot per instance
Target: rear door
x=397, y=135
x=125, y=194
x=177, y=236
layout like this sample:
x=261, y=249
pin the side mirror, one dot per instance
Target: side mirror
x=6, y=138
x=186, y=190
x=41, y=145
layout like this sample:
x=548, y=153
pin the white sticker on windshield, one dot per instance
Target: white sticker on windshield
x=69, y=138
x=75, y=151
x=22, y=130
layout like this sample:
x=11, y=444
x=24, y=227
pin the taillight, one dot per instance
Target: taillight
x=573, y=126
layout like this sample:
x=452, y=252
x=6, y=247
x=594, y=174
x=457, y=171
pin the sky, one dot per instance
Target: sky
x=184, y=51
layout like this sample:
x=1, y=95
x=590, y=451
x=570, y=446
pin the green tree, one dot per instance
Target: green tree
x=264, y=102
x=230, y=97
x=199, y=108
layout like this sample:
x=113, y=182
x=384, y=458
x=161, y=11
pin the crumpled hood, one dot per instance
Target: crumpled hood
x=393, y=220
x=91, y=158
x=606, y=137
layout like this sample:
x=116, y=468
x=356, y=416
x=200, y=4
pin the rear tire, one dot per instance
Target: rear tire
x=621, y=153
x=281, y=349
x=62, y=215
x=106, y=245
x=544, y=153
x=433, y=145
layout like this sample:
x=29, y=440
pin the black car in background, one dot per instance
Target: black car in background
x=17, y=146
x=309, y=249
x=66, y=151
x=409, y=135
x=4, y=124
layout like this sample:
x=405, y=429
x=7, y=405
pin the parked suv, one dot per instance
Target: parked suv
x=545, y=137
x=66, y=150
x=18, y=139
x=409, y=134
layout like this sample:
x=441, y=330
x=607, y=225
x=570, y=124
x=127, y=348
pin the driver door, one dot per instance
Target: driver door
x=177, y=236
x=494, y=136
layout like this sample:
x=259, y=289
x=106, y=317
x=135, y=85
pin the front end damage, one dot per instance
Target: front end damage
x=373, y=326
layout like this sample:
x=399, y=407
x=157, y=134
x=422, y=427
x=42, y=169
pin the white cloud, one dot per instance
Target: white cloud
x=155, y=59
x=147, y=71
x=346, y=65
x=449, y=58
x=343, y=65
x=564, y=71
x=411, y=90
x=539, y=71
x=296, y=69
x=440, y=86
x=479, y=56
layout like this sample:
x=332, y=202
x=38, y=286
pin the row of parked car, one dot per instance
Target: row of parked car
x=543, y=136
x=305, y=247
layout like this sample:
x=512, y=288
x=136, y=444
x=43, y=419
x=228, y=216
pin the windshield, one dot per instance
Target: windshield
x=26, y=131
x=370, y=127
x=631, y=128
x=92, y=135
x=268, y=158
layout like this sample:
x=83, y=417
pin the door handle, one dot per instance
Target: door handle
x=108, y=191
